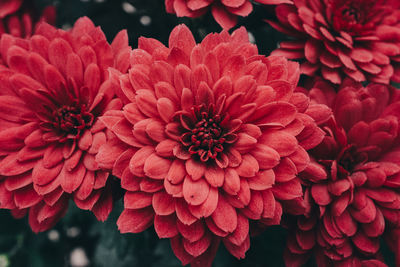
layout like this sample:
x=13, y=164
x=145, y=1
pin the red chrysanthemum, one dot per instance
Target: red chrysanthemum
x=53, y=88
x=212, y=137
x=225, y=12
x=352, y=186
x=18, y=17
x=339, y=38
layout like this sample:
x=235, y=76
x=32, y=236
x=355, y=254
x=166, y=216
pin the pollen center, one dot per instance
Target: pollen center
x=71, y=120
x=205, y=136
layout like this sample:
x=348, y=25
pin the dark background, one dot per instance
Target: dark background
x=100, y=243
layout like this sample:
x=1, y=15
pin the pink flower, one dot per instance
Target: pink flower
x=352, y=186
x=339, y=38
x=19, y=17
x=53, y=88
x=211, y=136
x=225, y=12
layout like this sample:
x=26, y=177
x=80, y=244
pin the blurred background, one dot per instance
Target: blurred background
x=79, y=240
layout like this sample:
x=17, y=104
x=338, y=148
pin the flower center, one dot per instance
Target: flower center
x=71, y=120
x=356, y=16
x=206, y=137
x=347, y=158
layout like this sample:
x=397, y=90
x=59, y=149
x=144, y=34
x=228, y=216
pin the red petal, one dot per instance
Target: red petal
x=281, y=113
x=306, y=240
x=182, y=38
x=346, y=224
x=156, y=167
x=10, y=165
x=376, y=227
x=135, y=221
x=137, y=200
x=103, y=206
x=249, y=166
x=179, y=250
x=321, y=194
x=208, y=206
x=366, y=214
x=176, y=172
x=197, y=248
x=266, y=156
x=284, y=143
x=26, y=197
x=231, y=182
x=285, y=171
x=165, y=226
x=288, y=190
x=215, y=176
x=241, y=232
x=42, y=175
x=183, y=213
x=163, y=203
x=195, y=169
x=193, y=232
x=195, y=192
x=238, y=251
x=71, y=180
x=225, y=19
x=268, y=204
x=262, y=180
x=364, y=243
x=86, y=187
x=225, y=216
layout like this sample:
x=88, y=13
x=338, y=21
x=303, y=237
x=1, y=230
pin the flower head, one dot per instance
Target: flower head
x=352, y=185
x=210, y=137
x=355, y=38
x=19, y=17
x=225, y=12
x=54, y=87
